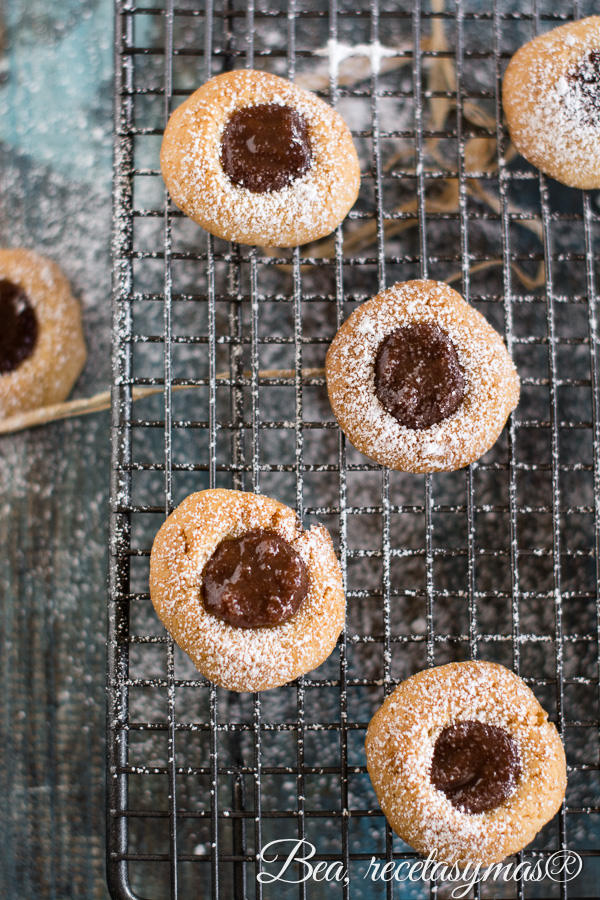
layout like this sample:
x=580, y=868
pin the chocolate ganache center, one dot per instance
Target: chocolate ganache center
x=586, y=76
x=18, y=326
x=265, y=147
x=418, y=378
x=475, y=765
x=255, y=581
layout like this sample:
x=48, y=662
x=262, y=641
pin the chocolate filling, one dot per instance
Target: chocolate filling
x=18, y=326
x=265, y=147
x=255, y=581
x=418, y=378
x=586, y=75
x=476, y=765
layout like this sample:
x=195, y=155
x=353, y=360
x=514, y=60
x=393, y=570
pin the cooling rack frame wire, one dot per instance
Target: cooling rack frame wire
x=238, y=813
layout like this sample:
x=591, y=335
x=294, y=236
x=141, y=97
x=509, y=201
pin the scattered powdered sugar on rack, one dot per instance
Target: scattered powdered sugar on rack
x=400, y=745
x=348, y=64
x=337, y=53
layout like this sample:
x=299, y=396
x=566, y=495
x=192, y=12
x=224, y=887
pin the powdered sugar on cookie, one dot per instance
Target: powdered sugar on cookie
x=400, y=745
x=243, y=659
x=491, y=382
x=47, y=375
x=550, y=96
x=308, y=208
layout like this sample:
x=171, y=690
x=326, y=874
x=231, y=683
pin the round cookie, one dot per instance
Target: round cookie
x=251, y=110
x=255, y=657
x=551, y=99
x=419, y=381
x=42, y=350
x=478, y=731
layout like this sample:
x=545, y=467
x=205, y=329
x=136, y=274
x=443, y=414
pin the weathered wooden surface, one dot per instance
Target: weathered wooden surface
x=55, y=136
x=55, y=100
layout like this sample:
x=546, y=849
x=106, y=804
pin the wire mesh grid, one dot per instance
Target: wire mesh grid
x=499, y=561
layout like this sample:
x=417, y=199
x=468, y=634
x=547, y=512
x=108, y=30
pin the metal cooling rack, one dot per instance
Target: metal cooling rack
x=499, y=561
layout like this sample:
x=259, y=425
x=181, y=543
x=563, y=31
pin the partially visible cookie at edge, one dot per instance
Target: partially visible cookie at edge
x=551, y=99
x=42, y=349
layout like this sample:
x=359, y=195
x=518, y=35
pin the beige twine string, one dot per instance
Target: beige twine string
x=480, y=156
x=86, y=405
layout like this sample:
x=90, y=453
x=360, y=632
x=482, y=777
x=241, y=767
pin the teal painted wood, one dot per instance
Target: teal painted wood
x=55, y=160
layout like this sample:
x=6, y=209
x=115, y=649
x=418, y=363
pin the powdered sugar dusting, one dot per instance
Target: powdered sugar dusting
x=243, y=659
x=310, y=207
x=491, y=382
x=338, y=52
x=48, y=374
x=400, y=745
x=548, y=98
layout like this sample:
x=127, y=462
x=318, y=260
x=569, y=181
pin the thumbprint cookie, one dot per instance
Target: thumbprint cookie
x=42, y=350
x=419, y=381
x=253, y=158
x=551, y=99
x=253, y=599
x=465, y=763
